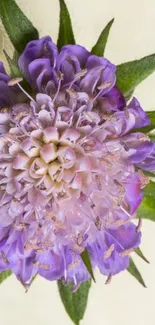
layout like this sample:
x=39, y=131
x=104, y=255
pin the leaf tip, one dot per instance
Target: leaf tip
x=65, y=35
x=87, y=262
x=111, y=21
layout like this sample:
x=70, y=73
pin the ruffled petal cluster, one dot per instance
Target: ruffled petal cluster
x=70, y=168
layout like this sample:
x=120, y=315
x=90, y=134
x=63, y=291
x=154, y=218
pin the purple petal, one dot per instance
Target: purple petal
x=7, y=96
x=78, y=51
x=143, y=150
x=42, y=48
x=101, y=73
x=36, y=67
x=51, y=266
x=68, y=64
x=123, y=238
x=149, y=162
x=142, y=118
x=95, y=61
x=133, y=192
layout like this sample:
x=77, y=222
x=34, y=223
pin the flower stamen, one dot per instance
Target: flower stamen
x=4, y=258
x=109, y=251
x=109, y=279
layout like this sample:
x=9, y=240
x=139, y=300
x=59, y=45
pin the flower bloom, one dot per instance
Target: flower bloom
x=70, y=168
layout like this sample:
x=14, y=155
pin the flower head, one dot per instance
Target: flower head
x=70, y=173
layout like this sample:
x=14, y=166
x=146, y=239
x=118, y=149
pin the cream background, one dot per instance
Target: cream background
x=124, y=301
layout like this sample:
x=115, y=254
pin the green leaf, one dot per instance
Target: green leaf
x=140, y=254
x=129, y=95
x=146, y=209
x=66, y=35
x=75, y=302
x=130, y=74
x=149, y=174
x=17, y=25
x=99, y=47
x=87, y=262
x=150, y=189
x=33, y=279
x=132, y=269
x=15, y=72
x=4, y=275
x=152, y=135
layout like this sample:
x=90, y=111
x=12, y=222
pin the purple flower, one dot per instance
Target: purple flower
x=69, y=168
x=42, y=65
x=37, y=57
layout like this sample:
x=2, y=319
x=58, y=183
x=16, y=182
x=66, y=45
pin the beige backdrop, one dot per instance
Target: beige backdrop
x=124, y=301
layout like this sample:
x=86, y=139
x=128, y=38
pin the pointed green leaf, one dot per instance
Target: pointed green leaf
x=129, y=95
x=151, y=115
x=15, y=72
x=33, y=279
x=152, y=136
x=149, y=174
x=4, y=275
x=75, y=302
x=130, y=74
x=132, y=269
x=146, y=209
x=150, y=189
x=140, y=254
x=99, y=47
x=87, y=262
x=66, y=35
x=17, y=25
